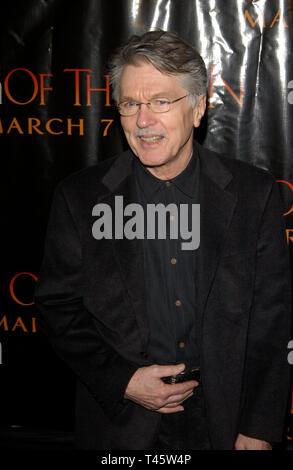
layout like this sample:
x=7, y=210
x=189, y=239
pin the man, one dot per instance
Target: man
x=126, y=312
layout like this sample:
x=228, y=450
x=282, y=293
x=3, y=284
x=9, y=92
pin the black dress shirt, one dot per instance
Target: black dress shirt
x=169, y=270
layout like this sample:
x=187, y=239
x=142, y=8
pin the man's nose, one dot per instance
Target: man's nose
x=145, y=117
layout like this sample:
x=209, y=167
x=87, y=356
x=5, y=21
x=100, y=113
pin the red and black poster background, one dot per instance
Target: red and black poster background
x=57, y=116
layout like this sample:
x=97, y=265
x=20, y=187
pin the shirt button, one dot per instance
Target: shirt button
x=181, y=345
x=173, y=260
x=178, y=303
x=167, y=184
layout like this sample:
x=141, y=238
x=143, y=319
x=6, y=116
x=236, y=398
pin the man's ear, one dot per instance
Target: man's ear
x=199, y=110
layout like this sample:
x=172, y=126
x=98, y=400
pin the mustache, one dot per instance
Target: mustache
x=149, y=132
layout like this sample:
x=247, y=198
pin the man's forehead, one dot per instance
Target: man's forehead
x=146, y=78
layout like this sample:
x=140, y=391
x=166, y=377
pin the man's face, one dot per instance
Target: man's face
x=165, y=138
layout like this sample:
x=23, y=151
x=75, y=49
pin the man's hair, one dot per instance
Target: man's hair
x=169, y=54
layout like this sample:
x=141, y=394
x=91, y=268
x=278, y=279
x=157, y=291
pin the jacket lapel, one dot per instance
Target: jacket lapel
x=128, y=253
x=217, y=205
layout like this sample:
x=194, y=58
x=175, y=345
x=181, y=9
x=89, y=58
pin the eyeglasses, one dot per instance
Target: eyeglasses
x=157, y=105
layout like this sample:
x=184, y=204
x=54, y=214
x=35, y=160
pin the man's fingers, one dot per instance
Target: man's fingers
x=147, y=389
x=166, y=410
x=166, y=371
x=181, y=388
x=171, y=398
x=178, y=399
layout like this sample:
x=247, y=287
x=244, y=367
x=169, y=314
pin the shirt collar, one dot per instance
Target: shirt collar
x=186, y=181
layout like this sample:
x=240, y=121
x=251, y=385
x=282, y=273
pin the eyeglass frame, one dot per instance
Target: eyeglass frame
x=149, y=106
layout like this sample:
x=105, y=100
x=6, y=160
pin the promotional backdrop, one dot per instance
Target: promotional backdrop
x=57, y=116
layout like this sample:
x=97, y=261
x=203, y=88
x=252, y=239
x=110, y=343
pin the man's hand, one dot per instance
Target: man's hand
x=147, y=389
x=249, y=443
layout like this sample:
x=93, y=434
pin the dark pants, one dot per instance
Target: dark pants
x=185, y=430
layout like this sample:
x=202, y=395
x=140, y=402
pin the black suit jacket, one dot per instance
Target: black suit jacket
x=91, y=294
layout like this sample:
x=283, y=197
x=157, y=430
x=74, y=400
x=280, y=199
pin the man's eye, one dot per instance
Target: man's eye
x=130, y=104
x=161, y=102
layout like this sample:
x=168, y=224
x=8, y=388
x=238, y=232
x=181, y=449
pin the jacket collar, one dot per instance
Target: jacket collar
x=211, y=166
x=186, y=181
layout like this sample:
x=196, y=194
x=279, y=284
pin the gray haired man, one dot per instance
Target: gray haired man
x=173, y=349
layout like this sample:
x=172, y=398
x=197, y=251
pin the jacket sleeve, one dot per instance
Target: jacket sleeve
x=69, y=325
x=266, y=381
